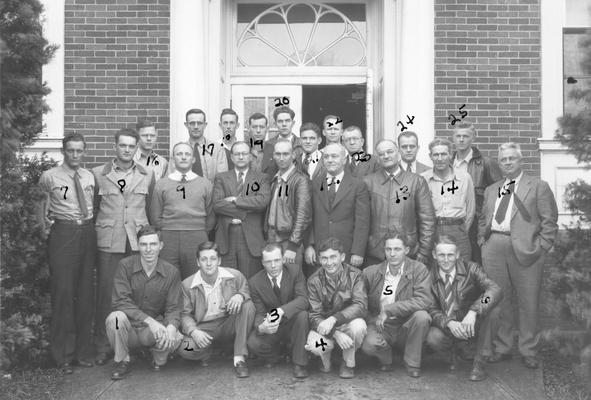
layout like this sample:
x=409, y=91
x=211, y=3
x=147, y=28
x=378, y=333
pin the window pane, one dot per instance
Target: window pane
x=573, y=54
x=572, y=92
x=578, y=13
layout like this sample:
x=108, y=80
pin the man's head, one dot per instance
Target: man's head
x=387, y=153
x=332, y=130
x=510, y=159
x=283, y=154
x=335, y=158
x=440, y=153
x=446, y=253
x=240, y=153
x=149, y=243
x=396, y=248
x=208, y=259
x=257, y=126
x=73, y=149
x=331, y=255
x=228, y=124
x=195, y=122
x=284, y=119
x=353, y=139
x=463, y=135
x=126, y=140
x=147, y=133
x=408, y=143
x=273, y=259
x=183, y=157
x=310, y=137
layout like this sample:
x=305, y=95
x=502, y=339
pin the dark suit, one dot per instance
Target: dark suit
x=294, y=323
x=240, y=244
x=515, y=260
x=363, y=168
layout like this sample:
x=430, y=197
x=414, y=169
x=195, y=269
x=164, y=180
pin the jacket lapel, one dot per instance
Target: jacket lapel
x=323, y=190
x=522, y=189
x=344, y=188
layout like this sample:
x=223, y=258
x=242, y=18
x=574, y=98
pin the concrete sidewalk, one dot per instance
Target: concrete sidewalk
x=181, y=380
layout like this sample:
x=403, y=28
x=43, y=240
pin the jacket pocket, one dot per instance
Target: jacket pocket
x=104, y=232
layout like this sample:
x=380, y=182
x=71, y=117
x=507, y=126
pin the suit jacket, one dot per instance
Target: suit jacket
x=363, y=168
x=533, y=225
x=249, y=207
x=268, y=165
x=319, y=170
x=348, y=218
x=292, y=288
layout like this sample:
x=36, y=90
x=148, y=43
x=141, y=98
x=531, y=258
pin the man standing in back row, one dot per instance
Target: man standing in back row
x=285, y=119
x=145, y=154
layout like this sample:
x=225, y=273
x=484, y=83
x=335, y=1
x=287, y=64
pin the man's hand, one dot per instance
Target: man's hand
x=289, y=257
x=267, y=327
x=234, y=303
x=169, y=341
x=157, y=329
x=202, y=339
x=47, y=223
x=380, y=321
x=468, y=322
x=326, y=326
x=310, y=255
x=230, y=198
x=356, y=261
x=343, y=340
x=457, y=329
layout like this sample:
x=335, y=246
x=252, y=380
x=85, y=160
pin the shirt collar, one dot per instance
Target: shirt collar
x=316, y=153
x=278, y=278
x=452, y=273
x=516, y=179
x=116, y=168
x=287, y=173
x=339, y=177
x=465, y=159
x=430, y=175
x=244, y=172
x=396, y=173
x=177, y=176
x=138, y=267
x=222, y=273
x=140, y=154
x=388, y=273
x=71, y=172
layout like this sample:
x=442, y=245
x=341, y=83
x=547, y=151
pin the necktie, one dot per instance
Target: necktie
x=504, y=204
x=197, y=168
x=409, y=167
x=184, y=178
x=331, y=191
x=276, y=288
x=449, y=298
x=240, y=182
x=80, y=195
x=229, y=160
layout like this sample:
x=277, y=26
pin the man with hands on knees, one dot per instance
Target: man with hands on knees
x=338, y=304
x=146, y=305
x=216, y=306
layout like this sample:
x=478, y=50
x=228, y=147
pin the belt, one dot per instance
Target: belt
x=72, y=221
x=449, y=221
x=501, y=233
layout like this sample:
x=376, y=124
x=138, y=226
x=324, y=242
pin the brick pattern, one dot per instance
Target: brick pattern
x=487, y=56
x=117, y=68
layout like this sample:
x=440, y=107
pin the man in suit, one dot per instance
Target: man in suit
x=332, y=129
x=340, y=208
x=517, y=229
x=310, y=162
x=359, y=162
x=281, y=302
x=240, y=198
x=398, y=297
x=228, y=125
x=408, y=143
x=284, y=119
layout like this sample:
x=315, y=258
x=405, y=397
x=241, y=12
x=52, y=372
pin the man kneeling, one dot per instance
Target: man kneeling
x=146, y=311
x=464, y=298
x=338, y=304
x=216, y=306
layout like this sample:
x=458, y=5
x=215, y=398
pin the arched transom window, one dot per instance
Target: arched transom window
x=301, y=34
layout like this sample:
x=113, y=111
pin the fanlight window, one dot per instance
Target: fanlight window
x=301, y=34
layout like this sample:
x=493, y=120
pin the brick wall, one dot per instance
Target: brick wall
x=116, y=70
x=487, y=56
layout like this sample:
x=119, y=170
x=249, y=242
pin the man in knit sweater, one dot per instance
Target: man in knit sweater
x=182, y=207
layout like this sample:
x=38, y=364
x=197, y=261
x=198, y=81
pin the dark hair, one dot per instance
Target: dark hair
x=196, y=111
x=237, y=143
x=146, y=230
x=408, y=134
x=257, y=115
x=283, y=109
x=228, y=111
x=127, y=132
x=144, y=124
x=446, y=239
x=331, y=243
x=269, y=247
x=207, y=246
x=441, y=142
x=396, y=234
x=311, y=126
x=73, y=137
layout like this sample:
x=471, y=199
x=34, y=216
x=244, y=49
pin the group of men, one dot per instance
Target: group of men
x=275, y=243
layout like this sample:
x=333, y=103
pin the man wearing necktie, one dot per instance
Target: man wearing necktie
x=280, y=298
x=517, y=228
x=66, y=214
x=359, y=163
x=408, y=143
x=310, y=162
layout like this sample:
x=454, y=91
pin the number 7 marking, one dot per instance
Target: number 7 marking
x=66, y=191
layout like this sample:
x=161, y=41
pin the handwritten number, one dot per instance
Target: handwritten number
x=403, y=190
x=451, y=189
x=255, y=187
x=187, y=348
x=388, y=290
x=254, y=143
x=338, y=121
x=485, y=300
x=210, y=151
x=281, y=101
x=361, y=156
x=402, y=125
x=281, y=187
x=116, y=323
x=66, y=191
x=121, y=183
x=454, y=119
x=321, y=344
x=274, y=313
x=181, y=188
x=463, y=114
x=409, y=120
x=506, y=190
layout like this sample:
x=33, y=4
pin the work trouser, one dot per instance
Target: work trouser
x=180, y=249
x=355, y=329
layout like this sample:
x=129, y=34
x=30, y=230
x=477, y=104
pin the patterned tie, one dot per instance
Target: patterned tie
x=80, y=195
x=276, y=288
x=449, y=297
x=332, y=191
x=183, y=178
x=240, y=182
x=503, y=205
x=409, y=167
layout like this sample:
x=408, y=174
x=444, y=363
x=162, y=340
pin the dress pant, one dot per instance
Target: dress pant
x=503, y=267
x=410, y=333
x=238, y=255
x=123, y=336
x=473, y=236
x=180, y=249
x=235, y=326
x=71, y=254
x=459, y=233
x=355, y=329
x=293, y=331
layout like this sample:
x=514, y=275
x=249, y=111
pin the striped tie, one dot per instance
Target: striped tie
x=449, y=298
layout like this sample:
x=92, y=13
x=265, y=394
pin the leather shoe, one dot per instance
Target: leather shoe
x=496, y=357
x=531, y=362
x=346, y=372
x=121, y=370
x=84, y=363
x=299, y=371
x=66, y=369
x=413, y=372
x=386, y=368
x=101, y=359
x=478, y=373
x=241, y=369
